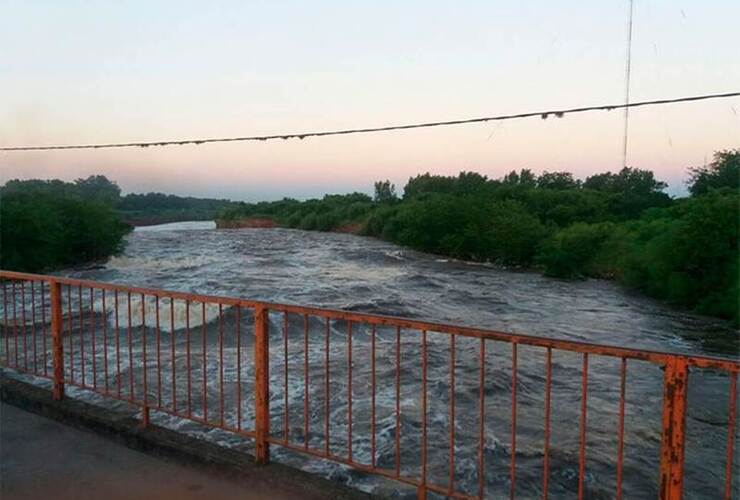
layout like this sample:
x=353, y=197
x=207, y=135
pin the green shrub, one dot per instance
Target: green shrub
x=514, y=234
x=44, y=231
x=573, y=252
x=688, y=254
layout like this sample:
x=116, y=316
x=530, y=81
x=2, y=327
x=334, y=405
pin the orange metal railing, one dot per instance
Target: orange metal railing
x=150, y=348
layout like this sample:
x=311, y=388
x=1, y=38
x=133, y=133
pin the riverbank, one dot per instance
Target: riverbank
x=246, y=223
x=141, y=221
x=620, y=226
x=671, y=254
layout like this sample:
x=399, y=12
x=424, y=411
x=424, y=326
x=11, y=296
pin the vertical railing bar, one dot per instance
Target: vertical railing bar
x=23, y=325
x=731, y=417
x=286, y=415
x=620, y=428
x=43, y=325
x=33, y=327
x=238, y=367
x=398, y=401
x=221, y=360
x=158, y=335
x=349, y=387
x=204, y=352
x=583, y=424
x=512, y=464
x=327, y=395
x=422, y=486
x=130, y=349
x=372, y=396
x=157, y=326
x=262, y=384
x=69, y=328
x=173, y=357
x=81, y=324
x=15, y=324
x=6, y=328
x=451, y=465
x=118, y=344
x=481, y=419
x=144, y=360
x=673, y=429
x=187, y=354
x=546, y=453
x=93, y=345
x=105, y=341
x=305, y=381
x=55, y=297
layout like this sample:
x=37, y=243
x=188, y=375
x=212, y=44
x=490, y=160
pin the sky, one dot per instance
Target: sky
x=87, y=71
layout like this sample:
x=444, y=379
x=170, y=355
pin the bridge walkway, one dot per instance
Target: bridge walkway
x=44, y=459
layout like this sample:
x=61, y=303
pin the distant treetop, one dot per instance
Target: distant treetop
x=723, y=172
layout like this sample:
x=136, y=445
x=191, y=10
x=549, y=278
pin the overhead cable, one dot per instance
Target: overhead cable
x=558, y=113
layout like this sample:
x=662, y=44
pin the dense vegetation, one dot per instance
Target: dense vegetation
x=51, y=224
x=612, y=225
x=159, y=208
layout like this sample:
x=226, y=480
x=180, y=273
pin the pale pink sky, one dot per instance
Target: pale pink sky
x=87, y=72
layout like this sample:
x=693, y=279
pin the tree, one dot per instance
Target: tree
x=572, y=252
x=45, y=231
x=633, y=191
x=425, y=184
x=98, y=188
x=95, y=188
x=557, y=180
x=627, y=180
x=527, y=178
x=37, y=186
x=514, y=234
x=470, y=183
x=724, y=171
x=511, y=178
x=688, y=254
x=385, y=192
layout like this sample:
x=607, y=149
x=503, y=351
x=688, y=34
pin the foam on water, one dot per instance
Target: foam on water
x=192, y=314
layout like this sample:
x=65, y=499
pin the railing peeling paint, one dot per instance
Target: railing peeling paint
x=83, y=326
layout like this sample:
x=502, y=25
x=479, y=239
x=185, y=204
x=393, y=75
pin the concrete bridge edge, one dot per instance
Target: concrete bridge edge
x=162, y=442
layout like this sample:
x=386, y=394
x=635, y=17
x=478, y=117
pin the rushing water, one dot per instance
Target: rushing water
x=343, y=271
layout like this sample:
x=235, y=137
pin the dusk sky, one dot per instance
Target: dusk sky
x=86, y=72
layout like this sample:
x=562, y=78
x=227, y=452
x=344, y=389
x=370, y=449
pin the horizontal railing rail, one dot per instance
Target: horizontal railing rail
x=375, y=393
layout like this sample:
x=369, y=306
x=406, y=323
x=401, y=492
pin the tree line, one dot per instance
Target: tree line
x=159, y=208
x=47, y=225
x=617, y=225
x=51, y=224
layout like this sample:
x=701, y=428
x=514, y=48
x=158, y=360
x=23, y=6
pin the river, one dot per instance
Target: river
x=343, y=271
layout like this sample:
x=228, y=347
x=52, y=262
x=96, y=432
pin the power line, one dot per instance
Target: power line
x=628, y=72
x=559, y=113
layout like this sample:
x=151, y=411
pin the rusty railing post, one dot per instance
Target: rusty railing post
x=57, y=358
x=261, y=387
x=675, y=385
x=421, y=492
